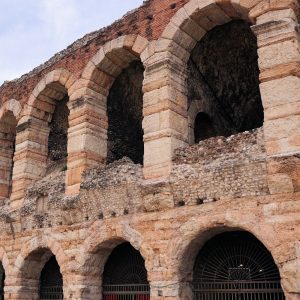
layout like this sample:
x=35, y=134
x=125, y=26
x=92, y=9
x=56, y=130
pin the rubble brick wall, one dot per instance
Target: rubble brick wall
x=215, y=169
x=221, y=167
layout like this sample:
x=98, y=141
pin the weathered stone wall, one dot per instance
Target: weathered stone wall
x=215, y=169
x=220, y=167
x=169, y=207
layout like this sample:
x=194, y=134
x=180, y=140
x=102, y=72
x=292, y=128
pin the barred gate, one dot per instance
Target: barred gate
x=126, y=292
x=51, y=293
x=243, y=290
x=236, y=266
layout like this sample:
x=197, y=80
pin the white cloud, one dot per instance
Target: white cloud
x=58, y=17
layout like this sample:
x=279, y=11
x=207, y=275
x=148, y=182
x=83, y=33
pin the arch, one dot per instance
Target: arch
x=105, y=66
x=12, y=106
x=35, y=127
x=3, y=269
x=194, y=20
x=9, y=114
x=4, y=259
x=236, y=263
x=125, y=274
x=43, y=247
x=31, y=260
x=88, y=96
x=101, y=239
x=108, y=240
x=203, y=127
x=184, y=250
x=50, y=87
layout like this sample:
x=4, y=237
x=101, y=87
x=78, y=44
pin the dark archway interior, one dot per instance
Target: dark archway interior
x=235, y=253
x=236, y=263
x=51, y=281
x=125, y=114
x=2, y=279
x=224, y=75
x=58, y=136
x=125, y=265
x=203, y=127
x=8, y=137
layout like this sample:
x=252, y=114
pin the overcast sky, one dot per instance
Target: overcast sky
x=31, y=31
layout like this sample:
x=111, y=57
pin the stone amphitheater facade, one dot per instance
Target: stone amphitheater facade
x=175, y=126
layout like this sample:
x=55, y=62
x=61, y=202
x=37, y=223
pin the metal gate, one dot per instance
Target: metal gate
x=126, y=292
x=51, y=293
x=125, y=275
x=51, y=281
x=236, y=266
x=247, y=290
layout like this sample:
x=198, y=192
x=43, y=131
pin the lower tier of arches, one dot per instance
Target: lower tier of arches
x=231, y=249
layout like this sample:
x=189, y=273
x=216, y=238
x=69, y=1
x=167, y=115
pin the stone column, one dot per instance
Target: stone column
x=279, y=63
x=165, y=113
x=82, y=287
x=21, y=289
x=30, y=158
x=87, y=138
x=170, y=290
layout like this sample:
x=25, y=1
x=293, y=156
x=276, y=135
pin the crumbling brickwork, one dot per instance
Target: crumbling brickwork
x=105, y=153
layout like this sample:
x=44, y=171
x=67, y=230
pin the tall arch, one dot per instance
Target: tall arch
x=235, y=264
x=39, y=260
x=88, y=139
x=3, y=268
x=166, y=77
x=9, y=114
x=33, y=141
x=125, y=274
x=97, y=248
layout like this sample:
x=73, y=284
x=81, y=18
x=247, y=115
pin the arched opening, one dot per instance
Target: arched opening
x=8, y=125
x=2, y=279
x=58, y=135
x=125, y=275
x=51, y=281
x=204, y=127
x=223, y=75
x=125, y=114
x=235, y=265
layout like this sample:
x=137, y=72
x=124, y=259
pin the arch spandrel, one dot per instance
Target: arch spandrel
x=114, y=56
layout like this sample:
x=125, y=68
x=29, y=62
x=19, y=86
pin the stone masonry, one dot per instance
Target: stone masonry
x=63, y=192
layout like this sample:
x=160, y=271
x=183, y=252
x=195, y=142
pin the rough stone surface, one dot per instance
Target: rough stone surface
x=182, y=196
x=225, y=63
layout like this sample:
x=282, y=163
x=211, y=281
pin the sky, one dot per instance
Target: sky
x=31, y=31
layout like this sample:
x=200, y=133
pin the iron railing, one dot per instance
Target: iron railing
x=240, y=290
x=51, y=293
x=126, y=292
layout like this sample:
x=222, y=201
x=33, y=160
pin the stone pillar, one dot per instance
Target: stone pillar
x=30, y=158
x=170, y=290
x=87, y=138
x=21, y=289
x=82, y=287
x=165, y=113
x=279, y=62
